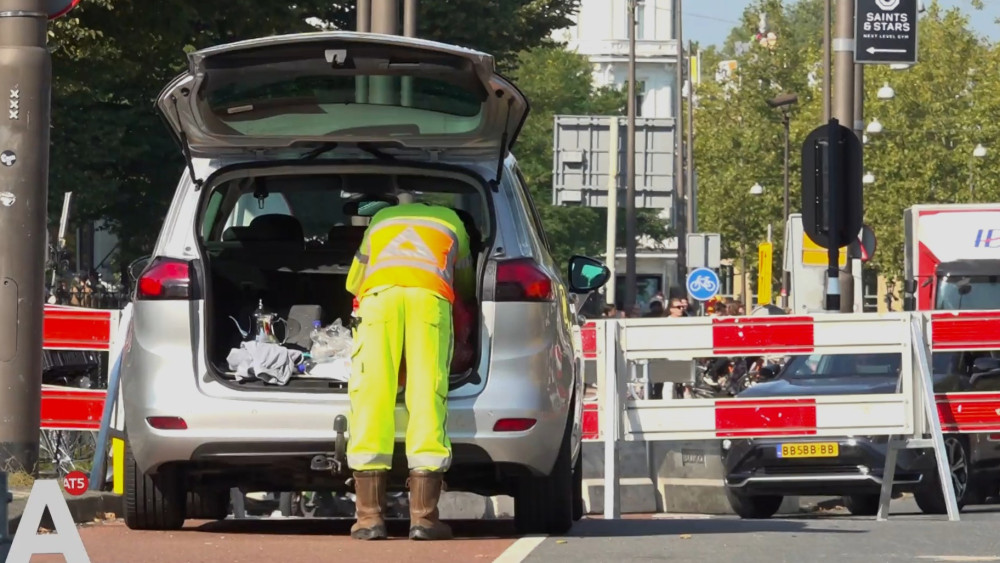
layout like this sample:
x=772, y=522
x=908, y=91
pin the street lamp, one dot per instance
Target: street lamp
x=886, y=92
x=868, y=178
x=756, y=189
x=783, y=101
x=874, y=127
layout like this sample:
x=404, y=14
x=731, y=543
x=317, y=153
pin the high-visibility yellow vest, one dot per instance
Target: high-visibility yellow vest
x=413, y=245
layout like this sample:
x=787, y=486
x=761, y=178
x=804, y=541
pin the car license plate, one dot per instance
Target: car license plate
x=809, y=449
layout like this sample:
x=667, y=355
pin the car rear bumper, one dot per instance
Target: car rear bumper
x=753, y=467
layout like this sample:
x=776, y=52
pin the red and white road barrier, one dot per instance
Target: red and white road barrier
x=902, y=415
x=967, y=412
x=76, y=328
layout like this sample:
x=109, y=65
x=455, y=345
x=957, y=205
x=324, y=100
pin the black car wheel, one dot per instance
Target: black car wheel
x=544, y=504
x=754, y=507
x=929, y=497
x=578, y=508
x=862, y=505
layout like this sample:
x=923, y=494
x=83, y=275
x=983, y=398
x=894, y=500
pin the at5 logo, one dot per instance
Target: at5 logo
x=46, y=493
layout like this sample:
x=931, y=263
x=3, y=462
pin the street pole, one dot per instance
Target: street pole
x=630, y=227
x=843, y=112
x=826, y=61
x=786, y=276
x=25, y=85
x=610, y=251
x=691, y=225
x=681, y=192
x=385, y=19
x=364, y=19
x=409, y=30
x=853, y=292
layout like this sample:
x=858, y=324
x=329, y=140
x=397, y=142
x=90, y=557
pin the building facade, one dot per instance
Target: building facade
x=600, y=32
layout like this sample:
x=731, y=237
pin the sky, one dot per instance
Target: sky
x=709, y=21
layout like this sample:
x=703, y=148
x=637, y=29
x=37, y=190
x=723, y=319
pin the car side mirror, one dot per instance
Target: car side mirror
x=587, y=274
x=769, y=371
x=985, y=365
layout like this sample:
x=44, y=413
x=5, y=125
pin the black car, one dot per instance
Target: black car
x=759, y=472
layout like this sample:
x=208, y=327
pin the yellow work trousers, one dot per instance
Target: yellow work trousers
x=415, y=325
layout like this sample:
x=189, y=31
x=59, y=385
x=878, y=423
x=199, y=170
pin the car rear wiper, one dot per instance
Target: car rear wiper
x=322, y=149
x=327, y=147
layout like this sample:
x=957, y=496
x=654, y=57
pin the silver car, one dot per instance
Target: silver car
x=285, y=139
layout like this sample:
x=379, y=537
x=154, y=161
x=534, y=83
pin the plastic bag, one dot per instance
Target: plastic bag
x=333, y=342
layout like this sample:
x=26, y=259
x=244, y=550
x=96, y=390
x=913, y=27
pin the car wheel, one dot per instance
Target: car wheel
x=578, y=507
x=929, y=497
x=153, y=502
x=208, y=505
x=862, y=505
x=544, y=505
x=754, y=507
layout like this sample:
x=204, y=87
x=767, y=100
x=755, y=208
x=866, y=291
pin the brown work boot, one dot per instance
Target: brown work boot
x=425, y=491
x=370, y=503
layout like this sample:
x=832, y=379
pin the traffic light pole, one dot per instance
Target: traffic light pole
x=843, y=111
x=25, y=93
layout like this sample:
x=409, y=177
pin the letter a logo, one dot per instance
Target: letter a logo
x=65, y=541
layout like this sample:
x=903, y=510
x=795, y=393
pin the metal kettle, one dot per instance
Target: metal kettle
x=263, y=325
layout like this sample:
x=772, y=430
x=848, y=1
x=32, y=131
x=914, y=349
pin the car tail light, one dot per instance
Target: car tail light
x=513, y=424
x=167, y=422
x=165, y=279
x=522, y=280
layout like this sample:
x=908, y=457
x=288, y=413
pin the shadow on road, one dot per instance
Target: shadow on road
x=635, y=528
x=478, y=529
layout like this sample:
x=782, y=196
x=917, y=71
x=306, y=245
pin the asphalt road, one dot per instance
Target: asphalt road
x=830, y=536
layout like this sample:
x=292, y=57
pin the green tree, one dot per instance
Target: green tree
x=112, y=57
x=739, y=139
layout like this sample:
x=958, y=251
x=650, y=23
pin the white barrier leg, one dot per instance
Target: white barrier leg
x=925, y=381
x=888, y=476
x=612, y=418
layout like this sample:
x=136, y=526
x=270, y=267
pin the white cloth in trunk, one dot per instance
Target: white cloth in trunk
x=271, y=363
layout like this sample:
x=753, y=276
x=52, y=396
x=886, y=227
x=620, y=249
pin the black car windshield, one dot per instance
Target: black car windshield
x=843, y=365
x=968, y=292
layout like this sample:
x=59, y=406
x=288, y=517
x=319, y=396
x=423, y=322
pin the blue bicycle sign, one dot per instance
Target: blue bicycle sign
x=703, y=284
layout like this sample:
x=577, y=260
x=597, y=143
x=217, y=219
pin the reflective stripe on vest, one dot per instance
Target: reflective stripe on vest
x=412, y=252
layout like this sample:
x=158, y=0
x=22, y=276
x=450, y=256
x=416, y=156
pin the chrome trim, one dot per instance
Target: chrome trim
x=820, y=477
x=23, y=14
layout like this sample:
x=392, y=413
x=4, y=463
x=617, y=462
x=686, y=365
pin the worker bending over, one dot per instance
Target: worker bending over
x=412, y=261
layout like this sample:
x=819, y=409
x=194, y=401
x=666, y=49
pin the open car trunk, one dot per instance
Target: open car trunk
x=285, y=237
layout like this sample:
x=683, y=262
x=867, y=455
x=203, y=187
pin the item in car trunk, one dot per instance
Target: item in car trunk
x=268, y=362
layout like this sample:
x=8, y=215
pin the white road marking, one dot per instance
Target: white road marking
x=520, y=550
x=962, y=558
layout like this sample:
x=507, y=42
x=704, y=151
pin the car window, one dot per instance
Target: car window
x=844, y=365
x=318, y=202
x=536, y=221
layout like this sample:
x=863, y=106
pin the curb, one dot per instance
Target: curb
x=85, y=508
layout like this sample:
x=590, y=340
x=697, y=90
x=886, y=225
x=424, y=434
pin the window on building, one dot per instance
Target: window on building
x=640, y=16
x=640, y=96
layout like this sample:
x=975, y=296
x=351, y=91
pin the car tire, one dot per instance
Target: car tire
x=754, y=507
x=153, y=502
x=208, y=505
x=544, y=505
x=862, y=505
x=929, y=497
x=578, y=508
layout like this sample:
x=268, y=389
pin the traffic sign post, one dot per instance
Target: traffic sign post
x=885, y=31
x=703, y=284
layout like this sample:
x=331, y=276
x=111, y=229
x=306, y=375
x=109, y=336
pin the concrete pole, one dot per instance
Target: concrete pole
x=691, y=225
x=843, y=107
x=680, y=190
x=409, y=30
x=25, y=94
x=827, y=114
x=410, y=18
x=385, y=20
x=631, y=236
x=364, y=18
x=610, y=251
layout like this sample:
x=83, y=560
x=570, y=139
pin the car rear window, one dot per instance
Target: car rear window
x=845, y=365
x=317, y=202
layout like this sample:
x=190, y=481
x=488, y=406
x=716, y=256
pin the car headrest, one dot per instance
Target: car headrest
x=234, y=234
x=275, y=228
x=346, y=235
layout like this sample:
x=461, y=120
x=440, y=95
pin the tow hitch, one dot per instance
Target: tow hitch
x=336, y=462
